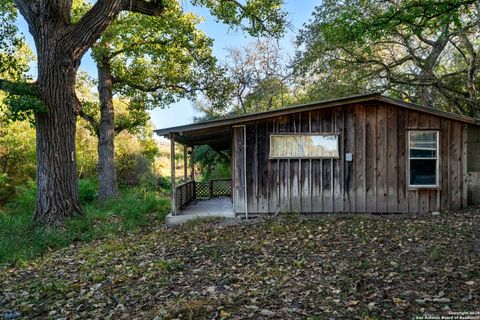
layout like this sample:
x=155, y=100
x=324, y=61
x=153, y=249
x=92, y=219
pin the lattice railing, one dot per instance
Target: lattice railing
x=214, y=188
x=188, y=191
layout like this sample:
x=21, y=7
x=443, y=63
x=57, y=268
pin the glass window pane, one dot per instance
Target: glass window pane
x=423, y=153
x=423, y=144
x=423, y=172
x=304, y=146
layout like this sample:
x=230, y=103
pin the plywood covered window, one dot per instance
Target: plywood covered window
x=423, y=158
x=304, y=146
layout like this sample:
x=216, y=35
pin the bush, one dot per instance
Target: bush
x=25, y=199
x=164, y=183
x=131, y=168
x=87, y=190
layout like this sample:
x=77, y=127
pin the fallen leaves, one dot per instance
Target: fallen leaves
x=335, y=267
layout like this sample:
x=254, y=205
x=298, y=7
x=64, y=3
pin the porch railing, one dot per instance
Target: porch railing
x=185, y=194
x=189, y=191
x=214, y=188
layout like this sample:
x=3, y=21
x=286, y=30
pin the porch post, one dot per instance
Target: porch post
x=192, y=172
x=172, y=168
x=192, y=164
x=185, y=163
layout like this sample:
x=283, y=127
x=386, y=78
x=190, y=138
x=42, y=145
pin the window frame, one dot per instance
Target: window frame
x=436, y=158
x=276, y=134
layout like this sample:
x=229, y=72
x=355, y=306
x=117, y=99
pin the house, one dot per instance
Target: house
x=366, y=153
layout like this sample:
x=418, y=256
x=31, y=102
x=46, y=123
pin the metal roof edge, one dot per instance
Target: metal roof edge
x=309, y=106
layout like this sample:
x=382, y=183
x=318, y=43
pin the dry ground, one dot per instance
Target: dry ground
x=340, y=267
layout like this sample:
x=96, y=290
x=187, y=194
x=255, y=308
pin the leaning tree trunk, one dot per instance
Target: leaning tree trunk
x=57, y=192
x=107, y=177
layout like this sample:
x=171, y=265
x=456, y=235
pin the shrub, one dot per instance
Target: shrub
x=87, y=190
x=25, y=200
x=131, y=168
x=164, y=183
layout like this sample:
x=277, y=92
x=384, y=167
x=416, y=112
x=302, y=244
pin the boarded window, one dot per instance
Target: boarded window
x=304, y=146
x=423, y=158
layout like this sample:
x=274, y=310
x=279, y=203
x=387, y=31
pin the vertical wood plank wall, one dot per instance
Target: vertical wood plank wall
x=376, y=179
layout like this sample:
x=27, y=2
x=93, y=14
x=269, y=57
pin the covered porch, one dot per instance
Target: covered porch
x=220, y=207
x=193, y=199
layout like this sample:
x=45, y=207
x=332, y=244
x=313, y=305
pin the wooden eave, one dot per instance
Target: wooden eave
x=217, y=133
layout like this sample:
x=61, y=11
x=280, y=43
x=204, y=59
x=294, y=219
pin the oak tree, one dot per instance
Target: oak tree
x=60, y=45
x=152, y=63
x=422, y=51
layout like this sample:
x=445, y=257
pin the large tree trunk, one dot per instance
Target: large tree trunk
x=57, y=192
x=107, y=177
x=60, y=46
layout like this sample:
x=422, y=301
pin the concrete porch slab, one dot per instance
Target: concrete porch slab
x=221, y=207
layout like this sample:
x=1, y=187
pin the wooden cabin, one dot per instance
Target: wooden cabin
x=365, y=154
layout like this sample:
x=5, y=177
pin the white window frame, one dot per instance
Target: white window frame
x=303, y=134
x=436, y=158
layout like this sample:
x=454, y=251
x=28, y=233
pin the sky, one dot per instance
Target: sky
x=182, y=112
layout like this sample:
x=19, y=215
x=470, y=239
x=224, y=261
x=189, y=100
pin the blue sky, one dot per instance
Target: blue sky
x=299, y=12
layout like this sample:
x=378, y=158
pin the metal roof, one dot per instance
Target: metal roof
x=217, y=133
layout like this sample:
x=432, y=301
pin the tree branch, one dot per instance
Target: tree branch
x=159, y=86
x=96, y=20
x=150, y=8
x=93, y=122
x=135, y=45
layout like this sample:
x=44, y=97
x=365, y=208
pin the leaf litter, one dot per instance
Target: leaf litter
x=292, y=267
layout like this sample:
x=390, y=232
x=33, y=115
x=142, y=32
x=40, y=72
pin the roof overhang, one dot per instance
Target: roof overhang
x=217, y=133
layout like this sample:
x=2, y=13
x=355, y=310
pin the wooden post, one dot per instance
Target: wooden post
x=192, y=164
x=185, y=163
x=172, y=164
x=192, y=172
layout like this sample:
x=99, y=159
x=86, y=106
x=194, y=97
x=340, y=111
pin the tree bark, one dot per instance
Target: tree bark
x=425, y=92
x=107, y=176
x=57, y=192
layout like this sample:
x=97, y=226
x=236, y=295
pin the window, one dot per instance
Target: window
x=423, y=158
x=304, y=146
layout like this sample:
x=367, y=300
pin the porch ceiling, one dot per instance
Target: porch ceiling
x=219, y=138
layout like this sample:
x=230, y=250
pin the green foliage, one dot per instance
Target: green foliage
x=134, y=157
x=25, y=198
x=131, y=211
x=17, y=156
x=18, y=96
x=22, y=101
x=11, y=65
x=87, y=156
x=257, y=17
x=164, y=183
x=212, y=164
x=87, y=190
x=421, y=51
x=157, y=61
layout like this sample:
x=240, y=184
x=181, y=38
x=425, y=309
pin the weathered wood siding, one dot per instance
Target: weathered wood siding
x=473, y=164
x=376, y=179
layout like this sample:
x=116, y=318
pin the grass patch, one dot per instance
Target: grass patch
x=131, y=211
